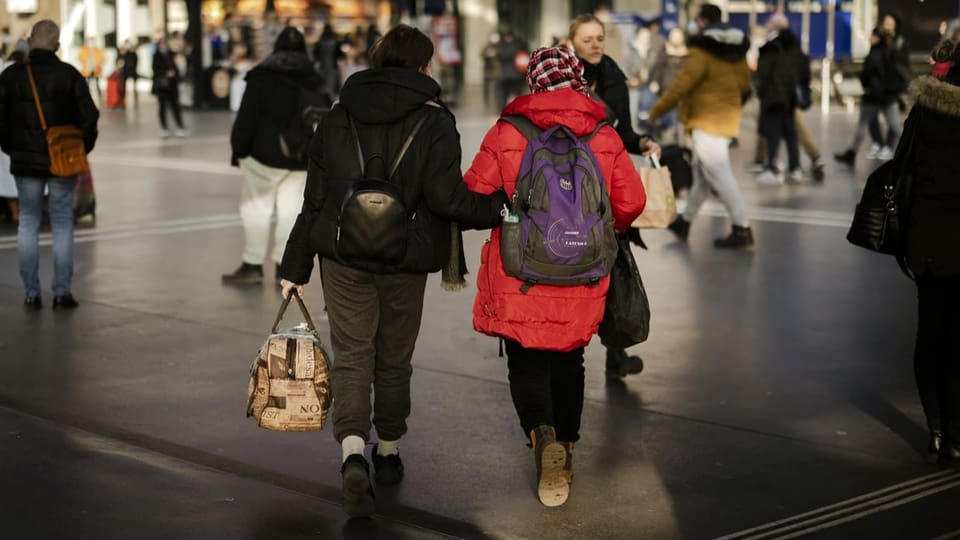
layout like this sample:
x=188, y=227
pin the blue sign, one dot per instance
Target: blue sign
x=671, y=15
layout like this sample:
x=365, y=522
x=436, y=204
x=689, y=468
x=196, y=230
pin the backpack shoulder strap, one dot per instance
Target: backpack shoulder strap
x=356, y=141
x=595, y=130
x=523, y=125
x=406, y=146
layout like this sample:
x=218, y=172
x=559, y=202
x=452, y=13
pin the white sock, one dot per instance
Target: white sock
x=352, y=444
x=388, y=448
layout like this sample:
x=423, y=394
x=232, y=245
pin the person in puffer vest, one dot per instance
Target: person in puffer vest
x=546, y=327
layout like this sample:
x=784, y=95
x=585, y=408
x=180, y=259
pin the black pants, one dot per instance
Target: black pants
x=936, y=359
x=172, y=100
x=547, y=389
x=775, y=124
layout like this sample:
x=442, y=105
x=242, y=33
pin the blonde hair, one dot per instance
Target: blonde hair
x=581, y=20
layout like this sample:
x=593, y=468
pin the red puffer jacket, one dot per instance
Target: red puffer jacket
x=547, y=317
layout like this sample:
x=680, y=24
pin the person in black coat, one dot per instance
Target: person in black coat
x=375, y=306
x=65, y=100
x=778, y=74
x=882, y=86
x=933, y=254
x=608, y=83
x=273, y=179
x=166, y=86
x=129, y=70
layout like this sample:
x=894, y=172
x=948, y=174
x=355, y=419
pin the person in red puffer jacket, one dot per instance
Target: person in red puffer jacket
x=546, y=327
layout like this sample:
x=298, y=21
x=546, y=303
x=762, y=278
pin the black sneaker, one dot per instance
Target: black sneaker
x=816, y=169
x=358, y=497
x=388, y=470
x=33, y=302
x=847, y=158
x=65, y=301
x=246, y=274
x=680, y=227
x=740, y=238
x=619, y=364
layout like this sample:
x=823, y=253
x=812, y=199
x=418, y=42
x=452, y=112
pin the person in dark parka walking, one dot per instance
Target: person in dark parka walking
x=933, y=254
x=273, y=181
x=778, y=74
x=375, y=307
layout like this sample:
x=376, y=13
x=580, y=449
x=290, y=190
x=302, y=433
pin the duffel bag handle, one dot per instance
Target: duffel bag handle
x=283, y=309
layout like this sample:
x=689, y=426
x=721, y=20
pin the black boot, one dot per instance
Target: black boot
x=680, y=227
x=246, y=274
x=847, y=158
x=619, y=364
x=950, y=456
x=933, y=448
x=740, y=238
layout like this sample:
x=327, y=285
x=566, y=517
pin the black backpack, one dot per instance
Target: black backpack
x=374, y=221
x=312, y=105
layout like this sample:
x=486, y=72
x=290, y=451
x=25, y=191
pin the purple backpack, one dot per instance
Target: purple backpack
x=560, y=229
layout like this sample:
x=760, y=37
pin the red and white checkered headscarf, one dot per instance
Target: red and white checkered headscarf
x=553, y=68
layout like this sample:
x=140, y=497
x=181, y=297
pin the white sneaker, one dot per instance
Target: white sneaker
x=796, y=176
x=164, y=133
x=769, y=178
x=756, y=168
x=181, y=132
x=874, y=151
x=885, y=153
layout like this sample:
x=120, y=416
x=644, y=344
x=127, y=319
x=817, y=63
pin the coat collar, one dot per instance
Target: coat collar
x=936, y=95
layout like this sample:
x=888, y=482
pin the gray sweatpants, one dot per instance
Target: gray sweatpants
x=374, y=322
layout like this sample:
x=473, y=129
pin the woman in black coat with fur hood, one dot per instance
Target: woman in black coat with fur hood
x=933, y=253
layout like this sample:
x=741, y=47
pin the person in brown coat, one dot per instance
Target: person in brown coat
x=709, y=91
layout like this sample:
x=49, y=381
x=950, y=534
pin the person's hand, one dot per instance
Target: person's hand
x=287, y=286
x=648, y=148
x=655, y=87
x=500, y=199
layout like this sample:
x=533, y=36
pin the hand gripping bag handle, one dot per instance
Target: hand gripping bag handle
x=303, y=311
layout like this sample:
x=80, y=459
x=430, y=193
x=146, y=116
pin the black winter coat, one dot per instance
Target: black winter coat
x=780, y=68
x=933, y=241
x=65, y=99
x=163, y=62
x=610, y=85
x=384, y=104
x=881, y=81
x=270, y=102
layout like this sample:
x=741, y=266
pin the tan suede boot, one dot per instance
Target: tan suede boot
x=553, y=488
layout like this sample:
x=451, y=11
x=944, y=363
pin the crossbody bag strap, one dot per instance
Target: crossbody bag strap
x=36, y=97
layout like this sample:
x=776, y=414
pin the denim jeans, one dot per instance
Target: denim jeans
x=30, y=191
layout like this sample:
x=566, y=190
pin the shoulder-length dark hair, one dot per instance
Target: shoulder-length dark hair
x=403, y=46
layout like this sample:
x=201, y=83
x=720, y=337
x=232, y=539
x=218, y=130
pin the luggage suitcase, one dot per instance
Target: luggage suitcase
x=114, y=91
x=289, y=387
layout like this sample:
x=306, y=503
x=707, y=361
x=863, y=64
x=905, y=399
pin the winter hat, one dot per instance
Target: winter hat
x=553, y=68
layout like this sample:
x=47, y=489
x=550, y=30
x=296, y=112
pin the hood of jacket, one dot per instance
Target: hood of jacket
x=289, y=63
x=565, y=107
x=783, y=41
x=937, y=95
x=722, y=41
x=385, y=95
